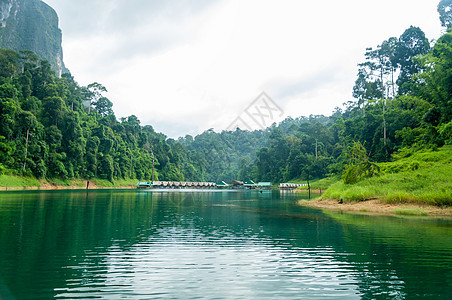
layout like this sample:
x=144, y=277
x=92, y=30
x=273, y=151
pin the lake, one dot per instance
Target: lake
x=142, y=244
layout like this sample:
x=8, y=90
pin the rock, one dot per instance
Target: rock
x=32, y=25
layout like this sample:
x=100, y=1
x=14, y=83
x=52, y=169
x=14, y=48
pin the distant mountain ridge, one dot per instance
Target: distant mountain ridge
x=32, y=25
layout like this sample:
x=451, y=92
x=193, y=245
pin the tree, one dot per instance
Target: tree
x=378, y=69
x=9, y=61
x=95, y=91
x=106, y=167
x=92, y=147
x=103, y=106
x=29, y=58
x=411, y=43
x=358, y=166
x=365, y=90
x=8, y=112
x=6, y=151
x=53, y=109
x=445, y=13
x=42, y=77
x=434, y=83
x=389, y=65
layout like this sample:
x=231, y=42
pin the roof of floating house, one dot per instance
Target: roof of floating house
x=222, y=184
x=265, y=184
x=250, y=183
x=144, y=183
x=236, y=182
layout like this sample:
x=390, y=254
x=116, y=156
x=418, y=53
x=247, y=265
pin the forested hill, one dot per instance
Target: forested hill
x=231, y=155
x=403, y=99
x=224, y=156
x=50, y=127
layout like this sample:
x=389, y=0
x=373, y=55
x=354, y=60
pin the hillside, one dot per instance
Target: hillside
x=50, y=127
x=423, y=176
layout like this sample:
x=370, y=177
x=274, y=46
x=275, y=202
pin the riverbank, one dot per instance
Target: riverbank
x=50, y=187
x=22, y=183
x=415, y=182
x=378, y=207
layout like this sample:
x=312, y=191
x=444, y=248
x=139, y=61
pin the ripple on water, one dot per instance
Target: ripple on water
x=184, y=264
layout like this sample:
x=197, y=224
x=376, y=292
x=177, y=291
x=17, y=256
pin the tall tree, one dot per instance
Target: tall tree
x=445, y=13
x=95, y=91
x=411, y=43
x=104, y=106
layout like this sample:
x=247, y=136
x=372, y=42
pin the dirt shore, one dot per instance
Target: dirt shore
x=380, y=208
x=49, y=187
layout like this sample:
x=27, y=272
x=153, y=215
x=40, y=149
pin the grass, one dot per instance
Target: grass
x=410, y=212
x=422, y=177
x=18, y=181
x=320, y=183
x=115, y=183
x=126, y=182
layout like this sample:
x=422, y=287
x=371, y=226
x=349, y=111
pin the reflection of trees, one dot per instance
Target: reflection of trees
x=57, y=228
x=72, y=237
x=398, y=257
x=59, y=232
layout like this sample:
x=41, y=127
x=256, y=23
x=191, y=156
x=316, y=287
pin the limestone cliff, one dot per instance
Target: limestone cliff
x=31, y=25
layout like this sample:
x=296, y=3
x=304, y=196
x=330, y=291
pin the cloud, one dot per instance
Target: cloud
x=186, y=66
x=83, y=18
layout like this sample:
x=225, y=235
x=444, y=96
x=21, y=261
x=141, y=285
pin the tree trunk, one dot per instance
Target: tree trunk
x=384, y=122
x=316, y=149
x=26, y=150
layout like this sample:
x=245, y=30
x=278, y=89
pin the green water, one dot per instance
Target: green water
x=213, y=245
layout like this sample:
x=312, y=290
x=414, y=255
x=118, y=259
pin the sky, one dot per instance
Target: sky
x=186, y=66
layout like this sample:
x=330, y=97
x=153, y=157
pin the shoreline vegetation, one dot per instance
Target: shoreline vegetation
x=22, y=183
x=51, y=127
x=414, y=183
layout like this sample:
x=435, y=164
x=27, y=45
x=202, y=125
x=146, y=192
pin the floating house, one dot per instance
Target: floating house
x=264, y=185
x=222, y=185
x=175, y=184
x=144, y=185
x=250, y=185
x=290, y=186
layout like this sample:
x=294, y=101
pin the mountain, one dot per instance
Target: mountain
x=32, y=25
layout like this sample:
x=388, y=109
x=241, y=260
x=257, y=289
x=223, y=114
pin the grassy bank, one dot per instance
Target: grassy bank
x=18, y=181
x=423, y=177
x=15, y=182
x=320, y=184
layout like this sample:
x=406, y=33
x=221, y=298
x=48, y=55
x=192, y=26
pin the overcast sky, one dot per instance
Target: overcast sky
x=186, y=66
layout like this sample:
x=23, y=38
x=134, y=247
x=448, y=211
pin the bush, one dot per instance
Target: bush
x=359, y=166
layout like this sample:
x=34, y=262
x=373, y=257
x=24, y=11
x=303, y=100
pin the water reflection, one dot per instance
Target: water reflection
x=212, y=244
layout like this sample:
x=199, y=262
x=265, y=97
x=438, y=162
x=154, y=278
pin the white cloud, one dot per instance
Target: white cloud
x=187, y=66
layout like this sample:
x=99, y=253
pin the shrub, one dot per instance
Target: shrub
x=359, y=166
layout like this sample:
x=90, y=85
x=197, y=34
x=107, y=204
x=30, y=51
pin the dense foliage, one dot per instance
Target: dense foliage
x=224, y=156
x=390, y=113
x=415, y=176
x=403, y=99
x=51, y=127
